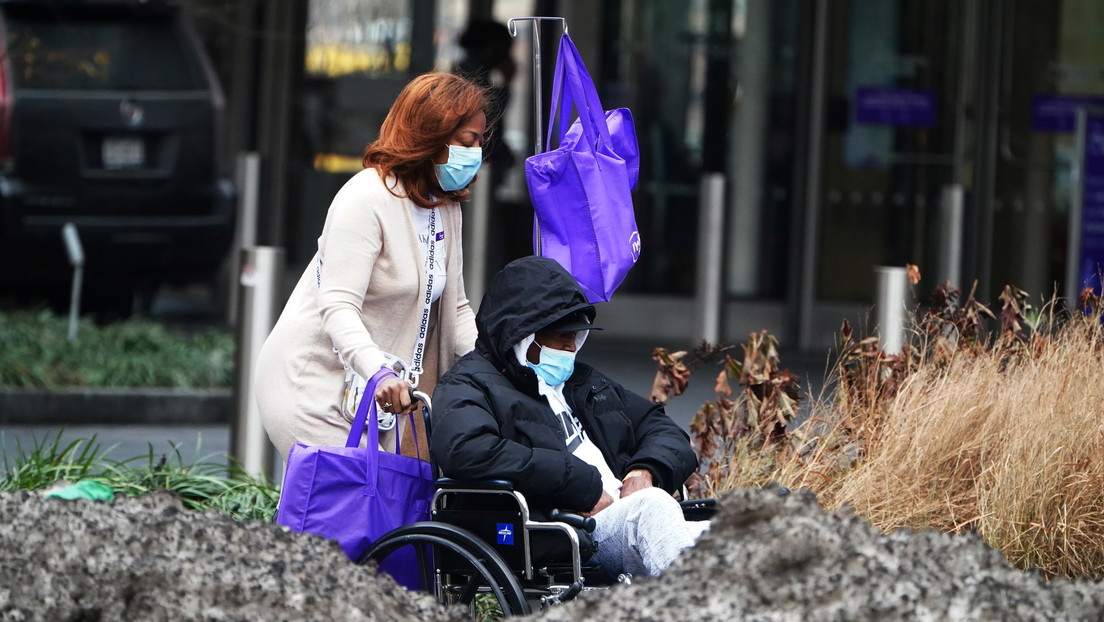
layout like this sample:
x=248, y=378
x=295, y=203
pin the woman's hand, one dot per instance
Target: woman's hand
x=393, y=396
x=636, y=480
x=603, y=502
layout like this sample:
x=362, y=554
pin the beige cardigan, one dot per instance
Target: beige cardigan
x=361, y=293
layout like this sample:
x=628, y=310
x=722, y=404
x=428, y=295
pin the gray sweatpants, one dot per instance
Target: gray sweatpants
x=643, y=533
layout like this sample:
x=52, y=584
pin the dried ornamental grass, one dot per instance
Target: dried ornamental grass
x=1006, y=445
x=958, y=432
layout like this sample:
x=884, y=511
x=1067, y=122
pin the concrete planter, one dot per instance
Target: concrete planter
x=156, y=406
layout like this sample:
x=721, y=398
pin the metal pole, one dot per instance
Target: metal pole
x=748, y=155
x=538, y=119
x=892, y=291
x=809, y=255
x=710, y=236
x=248, y=180
x=988, y=111
x=538, y=124
x=260, y=285
x=1077, y=201
x=75, y=251
x=477, y=219
x=951, y=212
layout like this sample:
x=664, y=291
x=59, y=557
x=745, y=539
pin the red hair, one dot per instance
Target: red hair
x=420, y=123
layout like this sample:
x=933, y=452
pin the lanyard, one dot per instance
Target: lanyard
x=415, y=371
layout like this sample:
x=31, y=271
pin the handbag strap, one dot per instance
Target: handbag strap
x=368, y=406
x=579, y=93
x=414, y=431
x=557, y=106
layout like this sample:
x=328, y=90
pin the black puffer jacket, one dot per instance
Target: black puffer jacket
x=489, y=422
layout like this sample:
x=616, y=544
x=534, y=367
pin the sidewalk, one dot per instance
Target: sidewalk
x=206, y=437
x=206, y=443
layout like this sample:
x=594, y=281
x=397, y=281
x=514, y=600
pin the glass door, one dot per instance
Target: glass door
x=893, y=138
x=926, y=96
x=1052, y=62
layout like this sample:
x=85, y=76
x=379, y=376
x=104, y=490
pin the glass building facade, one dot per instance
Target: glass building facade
x=829, y=137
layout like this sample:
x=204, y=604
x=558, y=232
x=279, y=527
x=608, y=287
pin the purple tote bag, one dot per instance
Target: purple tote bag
x=356, y=494
x=582, y=190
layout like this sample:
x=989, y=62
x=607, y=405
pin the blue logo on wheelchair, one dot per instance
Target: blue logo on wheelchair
x=504, y=533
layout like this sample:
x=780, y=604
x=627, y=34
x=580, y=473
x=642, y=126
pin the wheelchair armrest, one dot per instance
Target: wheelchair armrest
x=449, y=483
x=585, y=523
x=699, y=509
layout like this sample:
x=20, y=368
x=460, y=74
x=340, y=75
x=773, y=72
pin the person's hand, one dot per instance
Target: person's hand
x=393, y=396
x=603, y=502
x=636, y=480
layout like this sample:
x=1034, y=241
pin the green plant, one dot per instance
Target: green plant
x=133, y=353
x=487, y=608
x=48, y=461
x=201, y=484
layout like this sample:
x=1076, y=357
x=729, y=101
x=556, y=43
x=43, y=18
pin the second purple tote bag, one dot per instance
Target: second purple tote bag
x=356, y=494
x=582, y=190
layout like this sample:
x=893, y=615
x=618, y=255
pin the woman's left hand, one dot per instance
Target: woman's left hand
x=393, y=396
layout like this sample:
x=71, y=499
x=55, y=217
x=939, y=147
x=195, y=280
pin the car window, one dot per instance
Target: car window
x=117, y=53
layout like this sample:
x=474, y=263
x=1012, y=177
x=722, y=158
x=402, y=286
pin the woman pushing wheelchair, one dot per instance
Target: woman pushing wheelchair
x=386, y=287
x=519, y=408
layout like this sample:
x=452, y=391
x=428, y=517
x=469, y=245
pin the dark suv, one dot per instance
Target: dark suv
x=111, y=118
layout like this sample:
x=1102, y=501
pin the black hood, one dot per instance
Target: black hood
x=524, y=297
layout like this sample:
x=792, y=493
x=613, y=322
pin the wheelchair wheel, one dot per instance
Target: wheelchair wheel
x=481, y=568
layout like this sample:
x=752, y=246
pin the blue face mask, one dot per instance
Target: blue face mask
x=555, y=366
x=463, y=163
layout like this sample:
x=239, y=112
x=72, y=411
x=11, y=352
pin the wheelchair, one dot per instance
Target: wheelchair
x=482, y=539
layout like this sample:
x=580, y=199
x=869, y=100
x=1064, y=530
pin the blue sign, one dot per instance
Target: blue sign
x=877, y=105
x=504, y=533
x=1058, y=113
x=1091, y=256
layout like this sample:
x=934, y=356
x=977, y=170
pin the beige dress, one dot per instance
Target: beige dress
x=363, y=294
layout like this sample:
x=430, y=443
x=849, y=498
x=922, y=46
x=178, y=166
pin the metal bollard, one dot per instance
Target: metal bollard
x=710, y=255
x=477, y=219
x=893, y=291
x=951, y=210
x=261, y=272
x=75, y=251
x=248, y=180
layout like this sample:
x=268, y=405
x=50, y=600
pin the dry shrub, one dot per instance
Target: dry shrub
x=1005, y=441
x=1002, y=436
x=743, y=435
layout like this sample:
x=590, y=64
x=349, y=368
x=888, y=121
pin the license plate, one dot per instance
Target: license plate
x=123, y=152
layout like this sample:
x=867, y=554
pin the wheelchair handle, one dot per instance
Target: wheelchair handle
x=586, y=523
x=419, y=396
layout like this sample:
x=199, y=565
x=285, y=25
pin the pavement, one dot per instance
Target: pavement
x=197, y=426
x=163, y=431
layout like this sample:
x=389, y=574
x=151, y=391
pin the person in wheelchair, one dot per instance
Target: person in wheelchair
x=519, y=408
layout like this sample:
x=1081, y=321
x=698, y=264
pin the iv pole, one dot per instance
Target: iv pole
x=537, y=123
x=537, y=113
